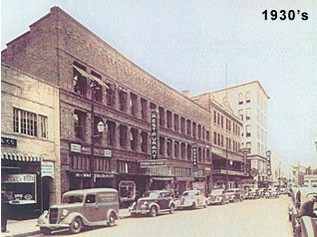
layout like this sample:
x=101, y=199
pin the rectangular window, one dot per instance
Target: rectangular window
x=169, y=148
x=215, y=117
x=80, y=79
x=199, y=131
x=215, y=138
x=240, y=114
x=176, y=149
x=169, y=119
x=162, y=146
x=207, y=136
x=111, y=134
x=189, y=152
x=247, y=114
x=110, y=94
x=25, y=122
x=134, y=104
x=176, y=122
x=222, y=121
x=189, y=127
x=248, y=131
x=183, y=125
x=194, y=130
x=144, y=141
x=96, y=88
x=79, y=124
x=123, y=131
x=144, y=108
x=123, y=99
x=133, y=138
x=162, y=116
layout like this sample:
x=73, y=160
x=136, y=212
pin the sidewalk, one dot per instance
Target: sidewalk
x=29, y=228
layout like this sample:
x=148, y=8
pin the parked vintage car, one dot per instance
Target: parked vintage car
x=218, y=196
x=192, y=199
x=79, y=208
x=253, y=193
x=272, y=193
x=152, y=203
x=302, y=226
x=234, y=194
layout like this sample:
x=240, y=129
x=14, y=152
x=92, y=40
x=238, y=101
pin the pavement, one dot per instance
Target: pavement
x=21, y=228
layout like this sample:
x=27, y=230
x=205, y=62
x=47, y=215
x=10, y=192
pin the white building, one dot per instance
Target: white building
x=249, y=102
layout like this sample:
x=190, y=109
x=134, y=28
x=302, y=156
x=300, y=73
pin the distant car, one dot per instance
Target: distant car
x=84, y=207
x=272, y=193
x=218, y=196
x=234, y=194
x=284, y=191
x=152, y=203
x=192, y=199
x=261, y=192
x=253, y=193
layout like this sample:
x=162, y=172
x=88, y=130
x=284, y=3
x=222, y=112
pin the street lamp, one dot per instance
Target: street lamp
x=100, y=128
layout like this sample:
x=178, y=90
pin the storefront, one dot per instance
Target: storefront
x=21, y=183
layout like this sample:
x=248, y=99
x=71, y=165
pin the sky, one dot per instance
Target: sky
x=187, y=43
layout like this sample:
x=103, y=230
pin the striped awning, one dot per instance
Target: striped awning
x=20, y=157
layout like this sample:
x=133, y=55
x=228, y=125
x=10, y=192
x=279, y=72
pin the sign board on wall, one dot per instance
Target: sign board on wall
x=47, y=169
x=19, y=178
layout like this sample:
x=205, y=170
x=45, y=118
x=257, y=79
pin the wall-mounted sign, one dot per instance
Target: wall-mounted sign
x=195, y=157
x=154, y=135
x=47, y=168
x=146, y=163
x=19, y=178
x=75, y=147
x=5, y=141
x=87, y=150
x=107, y=153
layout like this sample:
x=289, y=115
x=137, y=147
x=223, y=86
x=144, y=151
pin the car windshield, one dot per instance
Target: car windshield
x=154, y=195
x=74, y=198
x=190, y=194
x=217, y=192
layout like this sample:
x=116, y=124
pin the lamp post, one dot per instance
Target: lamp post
x=100, y=128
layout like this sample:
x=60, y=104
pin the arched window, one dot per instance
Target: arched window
x=240, y=99
x=248, y=97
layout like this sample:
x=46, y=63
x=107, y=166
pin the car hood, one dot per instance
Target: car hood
x=71, y=205
x=146, y=199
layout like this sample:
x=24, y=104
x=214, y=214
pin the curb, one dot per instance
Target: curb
x=30, y=233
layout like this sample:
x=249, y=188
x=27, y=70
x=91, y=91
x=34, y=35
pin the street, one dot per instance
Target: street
x=260, y=217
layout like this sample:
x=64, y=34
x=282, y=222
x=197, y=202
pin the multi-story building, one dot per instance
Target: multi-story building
x=229, y=167
x=30, y=154
x=249, y=102
x=120, y=126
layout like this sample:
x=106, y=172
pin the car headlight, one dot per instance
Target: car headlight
x=45, y=213
x=64, y=213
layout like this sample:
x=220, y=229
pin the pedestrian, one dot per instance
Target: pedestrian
x=4, y=212
x=307, y=209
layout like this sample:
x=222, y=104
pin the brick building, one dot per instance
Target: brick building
x=229, y=168
x=154, y=137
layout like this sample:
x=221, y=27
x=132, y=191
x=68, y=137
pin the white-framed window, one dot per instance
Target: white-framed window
x=240, y=99
x=248, y=131
x=29, y=123
x=248, y=97
x=247, y=114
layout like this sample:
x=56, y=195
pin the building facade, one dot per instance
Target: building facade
x=229, y=167
x=30, y=155
x=249, y=102
x=152, y=136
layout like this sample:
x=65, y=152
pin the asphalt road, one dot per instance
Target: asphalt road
x=250, y=218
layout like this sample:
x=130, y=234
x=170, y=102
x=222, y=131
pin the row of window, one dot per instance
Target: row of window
x=82, y=163
x=29, y=123
x=230, y=144
x=230, y=125
x=130, y=102
x=247, y=98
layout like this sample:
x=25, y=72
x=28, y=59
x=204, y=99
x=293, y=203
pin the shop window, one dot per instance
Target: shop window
x=183, y=125
x=144, y=141
x=133, y=138
x=111, y=134
x=123, y=99
x=189, y=127
x=162, y=116
x=162, y=146
x=194, y=129
x=189, y=152
x=79, y=124
x=80, y=79
x=123, y=132
x=169, y=119
x=176, y=149
x=96, y=88
x=240, y=99
x=110, y=94
x=144, y=108
x=127, y=190
x=248, y=97
x=134, y=104
x=176, y=122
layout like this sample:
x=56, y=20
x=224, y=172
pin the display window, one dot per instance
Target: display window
x=127, y=190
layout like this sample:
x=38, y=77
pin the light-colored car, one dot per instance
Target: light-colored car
x=152, y=203
x=234, y=194
x=253, y=193
x=272, y=192
x=218, y=196
x=193, y=199
x=79, y=208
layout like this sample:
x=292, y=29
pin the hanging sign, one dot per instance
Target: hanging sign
x=154, y=135
x=47, y=169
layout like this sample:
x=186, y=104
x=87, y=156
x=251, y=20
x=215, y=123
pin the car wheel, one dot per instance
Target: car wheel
x=172, y=210
x=112, y=220
x=45, y=231
x=75, y=226
x=193, y=206
x=153, y=211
